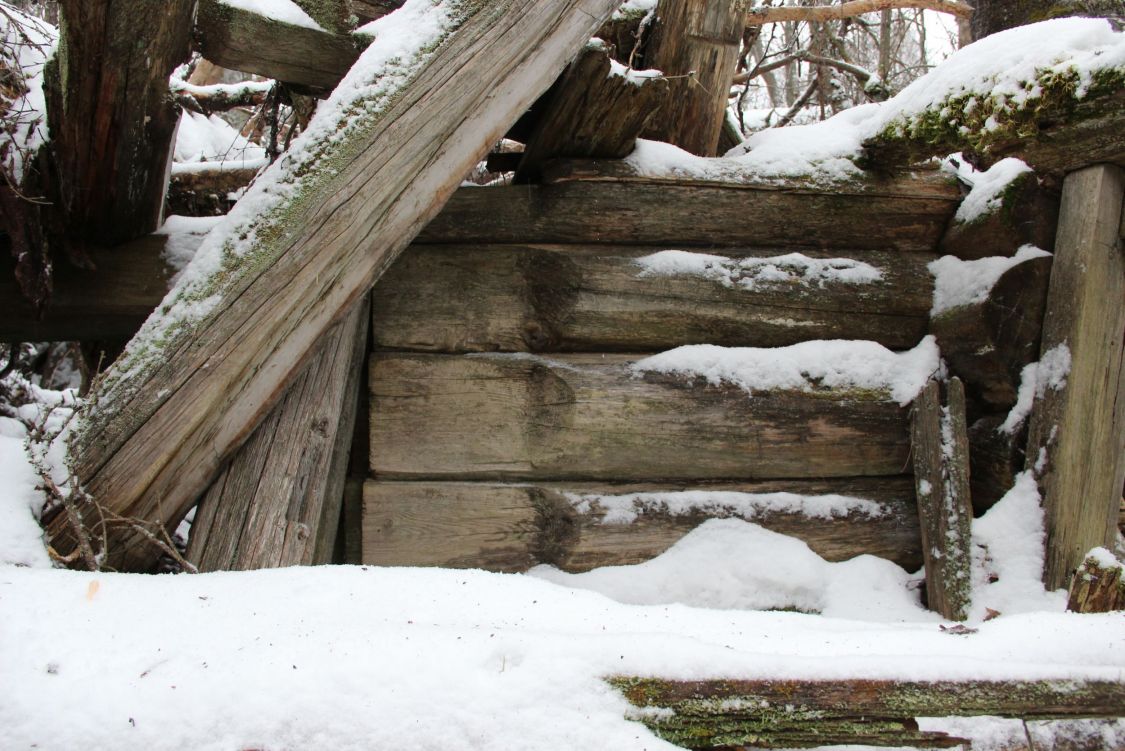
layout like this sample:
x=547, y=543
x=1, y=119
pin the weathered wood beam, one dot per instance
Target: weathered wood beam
x=585, y=298
x=514, y=527
x=206, y=191
x=696, y=44
x=250, y=42
x=1027, y=214
x=608, y=202
x=589, y=417
x=278, y=502
x=597, y=109
x=1076, y=441
x=806, y=714
x=191, y=390
x=940, y=446
x=110, y=116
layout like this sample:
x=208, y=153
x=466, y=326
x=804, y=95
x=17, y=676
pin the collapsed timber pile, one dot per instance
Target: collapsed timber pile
x=579, y=368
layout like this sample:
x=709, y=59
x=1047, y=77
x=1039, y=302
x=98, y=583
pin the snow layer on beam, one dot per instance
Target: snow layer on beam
x=987, y=192
x=627, y=508
x=958, y=282
x=285, y=11
x=751, y=273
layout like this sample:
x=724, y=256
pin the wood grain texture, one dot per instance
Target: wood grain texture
x=503, y=527
x=154, y=447
x=575, y=298
x=995, y=458
x=510, y=417
x=940, y=446
x=1080, y=428
x=911, y=213
x=278, y=501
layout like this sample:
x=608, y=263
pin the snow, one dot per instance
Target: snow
x=26, y=46
x=184, y=233
x=1049, y=372
x=751, y=273
x=285, y=11
x=20, y=536
x=988, y=189
x=958, y=282
x=202, y=140
x=807, y=366
x=626, y=508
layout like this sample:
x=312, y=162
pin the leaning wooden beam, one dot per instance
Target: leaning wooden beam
x=588, y=298
x=940, y=445
x=278, y=502
x=372, y=169
x=514, y=527
x=822, y=13
x=598, y=109
x=808, y=714
x=1076, y=442
x=596, y=417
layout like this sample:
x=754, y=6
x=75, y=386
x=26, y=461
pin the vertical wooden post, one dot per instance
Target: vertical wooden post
x=696, y=44
x=1076, y=442
x=940, y=444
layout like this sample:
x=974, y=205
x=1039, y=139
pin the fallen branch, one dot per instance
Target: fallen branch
x=821, y=13
x=220, y=97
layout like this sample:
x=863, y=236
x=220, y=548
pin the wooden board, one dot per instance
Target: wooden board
x=513, y=527
x=1080, y=428
x=910, y=213
x=511, y=298
x=588, y=417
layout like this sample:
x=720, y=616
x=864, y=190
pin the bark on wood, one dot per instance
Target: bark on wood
x=243, y=40
x=596, y=110
x=207, y=192
x=696, y=44
x=1080, y=427
x=805, y=714
x=157, y=439
x=940, y=445
x=991, y=16
x=995, y=458
x=987, y=344
x=1028, y=214
x=823, y=13
x=278, y=502
x=588, y=417
x=1097, y=587
x=535, y=298
x=589, y=203
x=513, y=527
x=110, y=116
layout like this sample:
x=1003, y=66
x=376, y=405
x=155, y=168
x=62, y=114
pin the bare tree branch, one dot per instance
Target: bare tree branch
x=821, y=13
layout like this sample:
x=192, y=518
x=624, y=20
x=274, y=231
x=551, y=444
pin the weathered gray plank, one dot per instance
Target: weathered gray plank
x=911, y=213
x=1076, y=439
x=940, y=445
x=456, y=298
x=513, y=527
x=588, y=417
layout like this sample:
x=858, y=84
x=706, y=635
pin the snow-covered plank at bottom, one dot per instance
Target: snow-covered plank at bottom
x=580, y=526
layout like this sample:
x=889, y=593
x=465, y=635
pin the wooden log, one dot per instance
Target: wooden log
x=987, y=344
x=589, y=417
x=1076, y=440
x=191, y=390
x=278, y=501
x=208, y=191
x=807, y=714
x=1028, y=214
x=995, y=458
x=940, y=445
x=250, y=42
x=597, y=109
x=513, y=527
x=600, y=203
x=696, y=44
x=514, y=298
x=111, y=120
x=1097, y=585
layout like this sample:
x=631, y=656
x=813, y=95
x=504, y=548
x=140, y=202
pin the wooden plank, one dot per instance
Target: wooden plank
x=513, y=527
x=1076, y=440
x=278, y=502
x=911, y=214
x=191, y=391
x=514, y=298
x=940, y=446
x=806, y=714
x=589, y=417
x=243, y=40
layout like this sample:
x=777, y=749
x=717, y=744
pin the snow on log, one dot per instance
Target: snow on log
x=1076, y=440
x=309, y=239
x=1098, y=585
x=579, y=526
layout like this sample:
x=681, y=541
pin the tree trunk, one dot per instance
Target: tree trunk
x=991, y=16
x=111, y=118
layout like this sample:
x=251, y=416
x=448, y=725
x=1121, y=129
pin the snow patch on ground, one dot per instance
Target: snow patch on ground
x=184, y=233
x=626, y=508
x=285, y=11
x=958, y=282
x=988, y=188
x=1049, y=372
x=807, y=366
x=202, y=140
x=750, y=273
